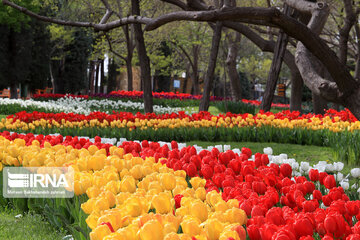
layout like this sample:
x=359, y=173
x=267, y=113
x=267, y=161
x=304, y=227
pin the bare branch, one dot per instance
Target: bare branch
x=112, y=50
x=184, y=52
x=106, y=16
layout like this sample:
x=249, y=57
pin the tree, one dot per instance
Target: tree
x=312, y=52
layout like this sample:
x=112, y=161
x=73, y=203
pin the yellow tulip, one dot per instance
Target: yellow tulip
x=136, y=172
x=199, y=210
x=170, y=228
x=221, y=206
x=236, y=215
x=200, y=193
x=172, y=236
x=213, y=228
x=161, y=203
x=100, y=232
x=229, y=234
x=128, y=184
x=101, y=204
x=88, y=206
x=152, y=230
x=1, y=166
x=96, y=162
x=168, y=181
x=191, y=226
x=197, y=182
x=92, y=192
x=91, y=220
x=110, y=197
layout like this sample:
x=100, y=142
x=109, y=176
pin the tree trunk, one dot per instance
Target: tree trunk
x=194, y=75
x=319, y=104
x=102, y=76
x=129, y=58
x=231, y=67
x=13, y=91
x=92, y=77
x=97, y=65
x=275, y=68
x=143, y=59
x=296, y=92
x=186, y=79
x=12, y=75
x=357, y=67
x=209, y=78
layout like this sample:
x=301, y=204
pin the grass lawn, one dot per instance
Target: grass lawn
x=302, y=153
x=28, y=226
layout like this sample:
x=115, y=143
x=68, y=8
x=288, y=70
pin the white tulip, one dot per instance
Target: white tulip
x=344, y=185
x=355, y=172
x=227, y=147
x=305, y=166
x=295, y=166
x=268, y=151
x=339, y=166
x=329, y=168
x=283, y=156
x=339, y=177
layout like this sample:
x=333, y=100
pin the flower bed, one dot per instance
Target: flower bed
x=148, y=191
x=339, y=130
x=69, y=104
x=138, y=95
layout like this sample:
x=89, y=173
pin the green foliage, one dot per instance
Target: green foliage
x=15, y=19
x=245, y=86
x=28, y=226
x=61, y=213
x=235, y=107
x=70, y=72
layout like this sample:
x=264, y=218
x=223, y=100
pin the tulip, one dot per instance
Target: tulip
x=152, y=230
x=191, y=226
x=161, y=203
x=198, y=209
x=168, y=181
x=127, y=184
x=329, y=182
x=355, y=172
x=100, y=232
x=213, y=228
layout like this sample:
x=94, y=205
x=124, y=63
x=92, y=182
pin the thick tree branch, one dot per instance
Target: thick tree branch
x=292, y=27
x=178, y=3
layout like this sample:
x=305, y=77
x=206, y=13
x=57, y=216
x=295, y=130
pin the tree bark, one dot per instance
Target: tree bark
x=195, y=65
x=102, y=76
x=97, y=65
x=357, y=67
x=296, y=92
x=129, y=58
x=231, y=67
x=143, y=59
x=205, y=100
x=319, y=104
x=12, y=61
x=275, y=68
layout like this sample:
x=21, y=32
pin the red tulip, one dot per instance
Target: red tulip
x=329, y=182
x=286, y=170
